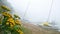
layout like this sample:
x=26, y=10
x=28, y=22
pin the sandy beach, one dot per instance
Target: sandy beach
x=39, y=30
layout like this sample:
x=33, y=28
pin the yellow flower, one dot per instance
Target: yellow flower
x=11, y=25
x=6, y=14
x=7, y=23
x=5, y=8
x=20, y=31
x=18, y=22
x=11, y=20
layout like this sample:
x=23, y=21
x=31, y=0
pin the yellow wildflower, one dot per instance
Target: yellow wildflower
x=18, y=22
x=20, y=31
x=6, y=14
x=11, y=20
x=5, y=8
x=11, y=25
x=7, y=23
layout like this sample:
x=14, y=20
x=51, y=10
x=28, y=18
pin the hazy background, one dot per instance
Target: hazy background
x=37, y=10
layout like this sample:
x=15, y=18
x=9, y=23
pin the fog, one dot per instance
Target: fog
x=37, y=10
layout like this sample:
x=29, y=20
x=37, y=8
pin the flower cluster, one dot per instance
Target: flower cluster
x=6, y=14
x=9, y=23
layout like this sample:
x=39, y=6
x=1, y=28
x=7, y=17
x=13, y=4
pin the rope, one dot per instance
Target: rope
x=26, y=10
x=28, y=7
x=50, y=11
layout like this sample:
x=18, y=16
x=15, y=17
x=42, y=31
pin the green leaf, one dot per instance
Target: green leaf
x=16, y=27
x=16, y=16
x=14, y=32
x=4, y=20
x=1, y=10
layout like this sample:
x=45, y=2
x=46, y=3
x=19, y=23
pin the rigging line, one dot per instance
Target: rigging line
x=26, y=10
x=50, y=11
